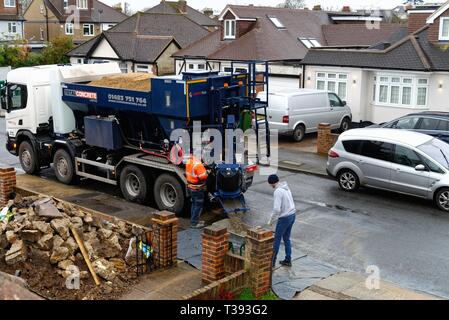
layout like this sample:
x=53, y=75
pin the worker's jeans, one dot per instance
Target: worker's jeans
x=197, y=197
x=283, y=231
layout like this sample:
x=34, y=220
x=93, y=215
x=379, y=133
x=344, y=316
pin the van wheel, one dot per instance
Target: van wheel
x=64, y=166
x=28, y=159
x=348, y=180
x=169, y=194
x=442, y=199
x=134, y=184
x=345, y=125
x=299, y=133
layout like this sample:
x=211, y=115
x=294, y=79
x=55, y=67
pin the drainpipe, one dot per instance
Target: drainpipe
x=46, y=21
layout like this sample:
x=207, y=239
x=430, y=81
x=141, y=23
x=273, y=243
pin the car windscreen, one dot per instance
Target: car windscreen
x=437, y=150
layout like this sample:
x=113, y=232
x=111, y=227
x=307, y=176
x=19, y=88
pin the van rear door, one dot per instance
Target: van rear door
x=277, y=109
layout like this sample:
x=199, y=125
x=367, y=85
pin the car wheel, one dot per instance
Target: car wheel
x=134, y=185
x=64, y=166
x=169, y=194
x=345, y=125
x=442, y=199
x=299, y=133
x=28, y=159
x=348, y=180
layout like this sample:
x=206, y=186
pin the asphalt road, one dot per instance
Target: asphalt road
x=406, y=238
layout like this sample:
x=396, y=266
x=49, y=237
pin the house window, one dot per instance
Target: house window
x=66, y=4
x=42, y=33
x=310, y=42
x=12, y=27
x=400, y=91
x=142, y=68
x=276, y=22
x=201, y=66
x=333, y=82
x=444, y=29
x=123, y=67
x=88, y=30
x=230, y=29
x=80, y=61
x=82, y=4
x=10, y=3
x=69, y=29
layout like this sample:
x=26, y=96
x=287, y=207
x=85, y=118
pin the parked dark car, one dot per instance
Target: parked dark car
x=435, y=124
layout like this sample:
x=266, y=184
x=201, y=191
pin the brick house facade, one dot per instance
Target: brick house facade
x=11, y=20
x=49, y=19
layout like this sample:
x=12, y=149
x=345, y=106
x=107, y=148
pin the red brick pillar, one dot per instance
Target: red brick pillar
x=324, y=134
x=165, y=239
x=259, y=257
x=215, y=245
x=7, y=184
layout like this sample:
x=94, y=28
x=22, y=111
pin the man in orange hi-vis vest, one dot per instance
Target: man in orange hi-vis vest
x=196, y=175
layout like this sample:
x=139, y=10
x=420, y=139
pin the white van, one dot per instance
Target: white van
x=300, y=111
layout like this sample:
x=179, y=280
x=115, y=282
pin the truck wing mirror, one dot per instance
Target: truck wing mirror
x=3, y=98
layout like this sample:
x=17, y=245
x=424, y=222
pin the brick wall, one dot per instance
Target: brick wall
x=417, y=21
x=215, y=245
x=433, y=32
x=326, y=139
x=165, y=238
x=259, y=260
x=7, y=184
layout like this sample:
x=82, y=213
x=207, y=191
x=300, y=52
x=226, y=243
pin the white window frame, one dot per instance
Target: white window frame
x=277, y=23
x=340, y=78
x=310, y=42
x=9, y=3
x=69, y=29
x=82, y=4
x=65, y=4
x=123, y=67
x=441, y=37
x=142, y=67
x=91, y=28
x=228, y=24
x=12, y=27
x=415, y=85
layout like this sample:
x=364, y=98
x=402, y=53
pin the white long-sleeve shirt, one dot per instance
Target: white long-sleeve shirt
x=284, y=205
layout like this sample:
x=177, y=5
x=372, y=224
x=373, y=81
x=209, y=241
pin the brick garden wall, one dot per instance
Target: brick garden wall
x=326, y=139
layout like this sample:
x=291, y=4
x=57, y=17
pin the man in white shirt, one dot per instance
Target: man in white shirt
x=284, y=211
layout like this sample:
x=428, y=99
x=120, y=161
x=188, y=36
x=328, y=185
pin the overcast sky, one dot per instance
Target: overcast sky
x=219, y=5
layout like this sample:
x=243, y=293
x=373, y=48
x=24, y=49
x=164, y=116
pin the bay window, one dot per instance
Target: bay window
x=400, y=91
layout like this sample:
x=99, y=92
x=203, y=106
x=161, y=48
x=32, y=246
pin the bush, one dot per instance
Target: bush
x=18, y=54
x=247, y=294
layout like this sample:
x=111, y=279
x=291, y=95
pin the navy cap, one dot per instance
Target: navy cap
x=273, y=179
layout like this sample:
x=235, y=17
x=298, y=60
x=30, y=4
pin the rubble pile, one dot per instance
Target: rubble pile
x=39, y=238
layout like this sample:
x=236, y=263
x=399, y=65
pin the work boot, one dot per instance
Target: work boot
x=286, y=263
x=199, y=225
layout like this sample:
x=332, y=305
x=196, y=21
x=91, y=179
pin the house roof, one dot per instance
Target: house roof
x=108, y=14
x=438, y=12
x=413, y=53
x=360, y=35
x=192, y=14
x=144, y=36
x=266, y=42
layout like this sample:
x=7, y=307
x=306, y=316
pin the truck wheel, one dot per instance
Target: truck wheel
x=169, y=194
x=134, y=184
x=299, y=133
x=64, y=166
x=28, y=159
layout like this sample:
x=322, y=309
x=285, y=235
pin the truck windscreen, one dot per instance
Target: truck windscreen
x=17, y=96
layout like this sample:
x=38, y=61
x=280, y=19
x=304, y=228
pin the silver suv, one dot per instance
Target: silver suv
x=401, y=161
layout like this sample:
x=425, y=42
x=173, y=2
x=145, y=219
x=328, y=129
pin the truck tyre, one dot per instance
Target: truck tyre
x=169, y=194
x=64, y=166
x=134, y=184
x=299, y=133
x=28, y=158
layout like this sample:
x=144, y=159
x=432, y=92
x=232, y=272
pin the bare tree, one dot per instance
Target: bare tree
x=292, y=4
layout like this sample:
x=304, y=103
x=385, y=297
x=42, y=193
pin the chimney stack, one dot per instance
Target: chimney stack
x=346, y=9
x=317, y=7
x=208, y=12
x=182, y=6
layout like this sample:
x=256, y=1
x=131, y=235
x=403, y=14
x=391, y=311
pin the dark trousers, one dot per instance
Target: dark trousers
x=197, y=198
x=283, y=232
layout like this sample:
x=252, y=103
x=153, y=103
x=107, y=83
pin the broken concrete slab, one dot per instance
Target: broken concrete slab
x=104, y=269
x=46, y=208
x=17, y=253
x=59, y=254
x=61, y=226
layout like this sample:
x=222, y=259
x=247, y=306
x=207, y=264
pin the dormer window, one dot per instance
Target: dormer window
x=82, y=4
x=230, y=29
x=276, y=22
x=444, y=29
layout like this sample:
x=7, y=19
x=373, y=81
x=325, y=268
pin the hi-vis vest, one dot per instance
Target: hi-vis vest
x=196, y=174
